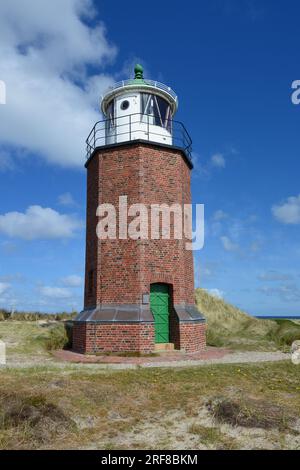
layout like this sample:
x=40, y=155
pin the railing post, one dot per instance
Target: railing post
x=129, y=126
x=148, y=132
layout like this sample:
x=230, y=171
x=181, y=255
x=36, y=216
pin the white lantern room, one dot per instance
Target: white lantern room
x=138, y=109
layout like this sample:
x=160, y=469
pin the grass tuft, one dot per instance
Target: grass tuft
x=228, y=326
x=250, y=413
x=59, y=337
x=34, y=417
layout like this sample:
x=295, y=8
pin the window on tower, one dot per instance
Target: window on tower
x=156, y=111
x=125, y=105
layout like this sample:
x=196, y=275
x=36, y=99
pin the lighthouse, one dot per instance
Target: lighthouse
x=139, y=290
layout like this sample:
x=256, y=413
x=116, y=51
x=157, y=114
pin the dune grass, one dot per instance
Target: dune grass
x=35, y=316
x=92, y=409
x=32, y=340
x=210, y=407
x=228, y=326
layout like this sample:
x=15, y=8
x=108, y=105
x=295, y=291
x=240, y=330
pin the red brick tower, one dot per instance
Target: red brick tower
x=139, y=290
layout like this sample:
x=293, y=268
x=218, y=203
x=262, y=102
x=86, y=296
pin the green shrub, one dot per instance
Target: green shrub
x=214, y=339
x=59, y=337
x=287, y=332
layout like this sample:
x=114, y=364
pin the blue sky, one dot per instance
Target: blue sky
x=232, y=64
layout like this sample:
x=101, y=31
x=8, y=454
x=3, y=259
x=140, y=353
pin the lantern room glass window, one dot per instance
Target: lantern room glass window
x=156, y=111
x=110, y=114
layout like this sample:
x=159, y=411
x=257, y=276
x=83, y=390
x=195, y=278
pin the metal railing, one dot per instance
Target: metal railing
x=152, y=83
x=139, y=127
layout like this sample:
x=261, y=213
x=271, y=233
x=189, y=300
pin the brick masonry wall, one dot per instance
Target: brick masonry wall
x=192, y=337
x=113, y=337
x=124, y=269
x=79, y=337
x=116, y=337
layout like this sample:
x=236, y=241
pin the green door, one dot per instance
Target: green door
x=159, y=304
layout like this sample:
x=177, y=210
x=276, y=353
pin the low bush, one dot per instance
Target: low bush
x=287, y=332
x=59, y=337
x=250, y=413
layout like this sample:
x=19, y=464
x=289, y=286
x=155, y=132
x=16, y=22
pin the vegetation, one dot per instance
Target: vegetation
x=210, y=407
x=230, y=327
x=71, y=406
x=251, y=413
x=60, y=337
x=29, y=341
x=287, y=332
x=227, y=326
x=35, y=316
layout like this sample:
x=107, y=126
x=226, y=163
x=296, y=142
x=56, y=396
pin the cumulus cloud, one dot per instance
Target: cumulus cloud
x=205, y=169
x=288, y=212
x=72, y=281
x=218, y=160
x=287, y=292
x=6, y=162
x=66, y=199
x=216, y=293
x=229, y=245
x=55, y=292
x=38, y=223
x=219, y=215
x=46, y=49
x=4, y=286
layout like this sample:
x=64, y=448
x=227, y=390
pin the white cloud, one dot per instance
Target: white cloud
x=55, y=292
x=66, y=199
x=38, y=223
x=6, y=162
x=219, y=215
x=199, y=167
x=216, y=293
x=218, y=160
x=46, y=48
x=72, y=281
x=4, y=286
x=287, y=292
x=228, y=245
x=273, y=275
x=289, y=211
x=205, y=169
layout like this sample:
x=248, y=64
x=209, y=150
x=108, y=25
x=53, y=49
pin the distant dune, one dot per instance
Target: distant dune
x=231, y=327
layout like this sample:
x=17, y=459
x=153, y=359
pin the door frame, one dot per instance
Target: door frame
x=169, y=293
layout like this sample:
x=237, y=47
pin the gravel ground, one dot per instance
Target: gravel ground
x=230, y=358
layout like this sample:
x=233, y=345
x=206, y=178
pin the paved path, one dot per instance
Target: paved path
x=70, y=360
